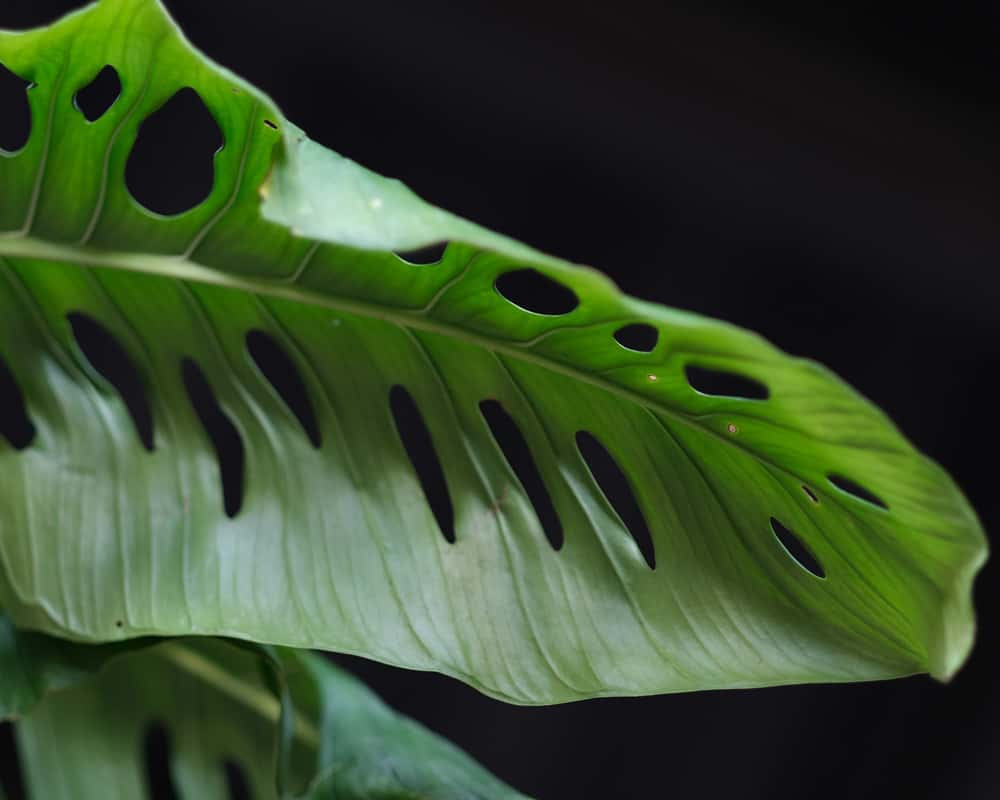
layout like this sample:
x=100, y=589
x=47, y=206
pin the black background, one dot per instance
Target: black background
x=825, y=176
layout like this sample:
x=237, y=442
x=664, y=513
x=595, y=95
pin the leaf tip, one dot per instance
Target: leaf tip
x=953, y=639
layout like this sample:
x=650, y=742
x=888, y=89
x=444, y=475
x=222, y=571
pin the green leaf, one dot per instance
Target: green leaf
x=33, y=664
x=372, y=752
x=214, y=705
x=336, y=547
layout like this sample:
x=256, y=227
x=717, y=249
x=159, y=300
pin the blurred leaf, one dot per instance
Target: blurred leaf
x=206, y=710
x=33, y=664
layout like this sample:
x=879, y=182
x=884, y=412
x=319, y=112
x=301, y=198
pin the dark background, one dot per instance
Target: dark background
x=825, y=176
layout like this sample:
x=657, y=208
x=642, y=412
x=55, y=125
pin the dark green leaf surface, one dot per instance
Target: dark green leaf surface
x=33, y=664
x=336, y=547
x=214, y=707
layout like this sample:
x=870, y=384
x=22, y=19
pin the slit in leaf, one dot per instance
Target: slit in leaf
x=618, y=491
x=638, y=336
x=156, y=753
x=515, y=449
x=419, y=447
x=424, y=256
x=723, y=383
x=797, y=549
x=15, y=111
x=855, y=489
x=532, y=291
x=109, y=359
x=236, y=780
x=220, y=429
x=279, y=369
x=11, y=779
x=15, y=425
x=810, y=493
x=96, y=98
x=171, y=168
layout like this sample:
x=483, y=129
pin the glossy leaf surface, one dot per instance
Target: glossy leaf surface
x=336, y=546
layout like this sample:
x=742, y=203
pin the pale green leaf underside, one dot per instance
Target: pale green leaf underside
x=337, y=548
x=87, y=741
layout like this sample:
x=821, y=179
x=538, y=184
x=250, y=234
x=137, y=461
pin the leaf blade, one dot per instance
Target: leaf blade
x=363, y=570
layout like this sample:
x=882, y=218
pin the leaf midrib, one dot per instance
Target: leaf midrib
x=254, y=698
x=184, y=268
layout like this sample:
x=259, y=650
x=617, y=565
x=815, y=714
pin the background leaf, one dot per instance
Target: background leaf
x=199, y=718
x=33, y=664
x=715, y=477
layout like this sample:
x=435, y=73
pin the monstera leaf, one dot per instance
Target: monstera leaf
x=207, y=714
x=624, y=498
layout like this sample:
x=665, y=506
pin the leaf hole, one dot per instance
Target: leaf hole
x=810, y=494
x=797, y=549
x=722, y=383
x=223, y=433
x=171, y=168
x=96, y=98
x=11, y=779
x=419, y=446
x=15, y=425
x=107, y=356
x=530, y=290
x=515, y=449
x=616, y=488
x=157, y=755
x=279, y=369
x=271, y=124
x=638, y=336
x=15, y=111
x=236, y=780
x=424, y=256
x=858, y=491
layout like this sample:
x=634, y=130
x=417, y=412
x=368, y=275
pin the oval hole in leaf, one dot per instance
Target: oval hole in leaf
x=638, y=336
x=855, y=489
x=109, y=359
x=424, y=256
x=236, y=780
x=419, y=447
x=515, y=449
x=618, y=491
x=15, y=425
x=797, y=549
x=171, y=168
x=220, y=429
x=156, y=751
x=11, y=780
x=281, y=372
x=810, y=494
x=532, y=291
x=15, y=112
x=96, y=98
x=722, y=383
